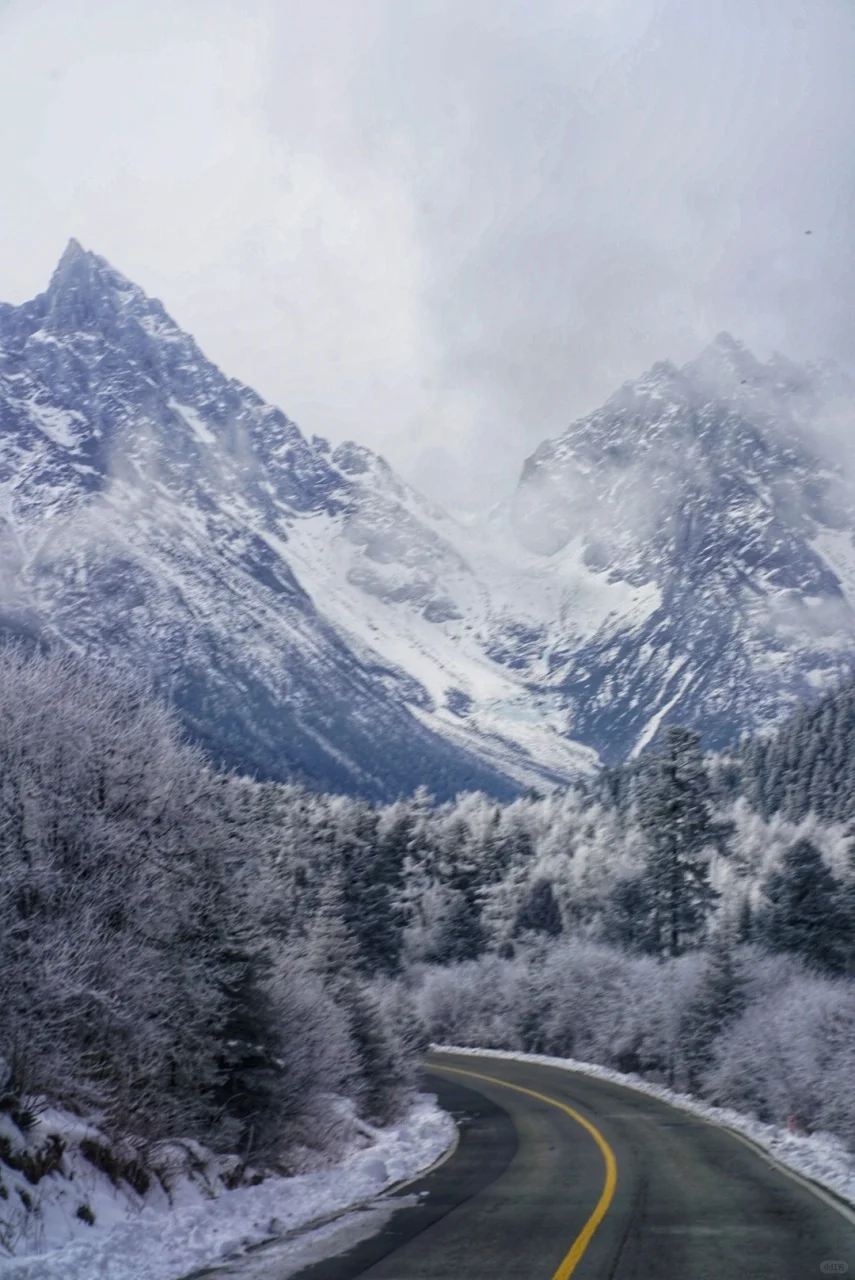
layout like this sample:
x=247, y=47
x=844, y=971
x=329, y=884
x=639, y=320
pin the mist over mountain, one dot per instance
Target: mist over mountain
x=146, y=500
x=684, y=553
x=706, y=485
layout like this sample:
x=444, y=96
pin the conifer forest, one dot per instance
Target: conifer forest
x=184, y=950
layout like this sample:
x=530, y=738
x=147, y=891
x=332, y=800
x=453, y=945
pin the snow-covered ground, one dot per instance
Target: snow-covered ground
x=820, y=1157
x=160, y=1237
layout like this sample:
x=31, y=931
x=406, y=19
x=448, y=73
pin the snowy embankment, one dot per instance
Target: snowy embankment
x=160, y=1235
x=820, y=1157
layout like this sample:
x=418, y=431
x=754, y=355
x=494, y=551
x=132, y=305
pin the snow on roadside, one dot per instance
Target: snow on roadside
x=158, y=1242
x=820, y=1157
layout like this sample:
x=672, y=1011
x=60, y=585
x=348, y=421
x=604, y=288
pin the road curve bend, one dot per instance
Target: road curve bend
x=560, y=1175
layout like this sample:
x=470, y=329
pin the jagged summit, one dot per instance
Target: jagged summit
x=72, y=252
x=155, y=509
x=682, y=553
x=725, y=366
x=87, y=296
x=82, y=273
x=80, y=293
x=704, y=484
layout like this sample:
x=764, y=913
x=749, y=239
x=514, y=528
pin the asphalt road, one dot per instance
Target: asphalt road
x=559, y=1175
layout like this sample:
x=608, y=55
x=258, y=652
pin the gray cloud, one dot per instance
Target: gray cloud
x=443, y=228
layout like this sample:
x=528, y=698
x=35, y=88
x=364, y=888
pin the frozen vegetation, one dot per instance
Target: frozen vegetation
x=153, y=981
x=215, y=987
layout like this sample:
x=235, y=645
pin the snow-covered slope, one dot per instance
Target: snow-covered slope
x=683, y=553
x=702, y=484
x=75, y=1206
x=408, y=584
x=146, y=503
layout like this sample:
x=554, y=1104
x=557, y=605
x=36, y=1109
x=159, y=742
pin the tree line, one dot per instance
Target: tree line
x=185, y=951
x=148, y=973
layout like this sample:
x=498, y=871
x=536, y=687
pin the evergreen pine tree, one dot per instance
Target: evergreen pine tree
x=628, y=917
x=847, y=912
x=675, y=814
x=461, y=936
x=719, y=1000
x=382, y=1068
x=808, y=765
x=539, y=912
x=332, y=952
x=805, y=912
x=334, y=956
x=249, y=1090
x=376, y=915
x=745, y=921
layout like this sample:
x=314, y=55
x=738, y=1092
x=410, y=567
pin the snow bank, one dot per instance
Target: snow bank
x=148, y=1238
x=820, y=1157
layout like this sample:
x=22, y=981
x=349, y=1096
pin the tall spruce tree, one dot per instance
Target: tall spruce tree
x=628, y=919
x=675, y=815
x=249, y=1091
x=333, y=953
x=745, y=921
x=806, y=910
x=366, y=883
x=847, y=908
x=334, y=956
x=539, y=912
x=461, y=935
x=719, y=1000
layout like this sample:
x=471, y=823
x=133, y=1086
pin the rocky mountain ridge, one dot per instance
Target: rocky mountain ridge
x=685, y=552
x=144, y=505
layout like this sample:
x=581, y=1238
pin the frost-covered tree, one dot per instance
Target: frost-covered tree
x=539, y=912
x=792, y=1053
x=805, y=911
x=146, y=904
x=679, y=828
x=719, y=999
x=460, y=935
x=628, y=916
x=808, y=764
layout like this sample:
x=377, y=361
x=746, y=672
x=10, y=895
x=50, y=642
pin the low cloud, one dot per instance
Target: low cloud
x=443, y=229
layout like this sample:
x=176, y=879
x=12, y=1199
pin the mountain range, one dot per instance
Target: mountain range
x=683, y=553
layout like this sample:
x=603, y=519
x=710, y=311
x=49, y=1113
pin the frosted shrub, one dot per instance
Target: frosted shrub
x=792, y=1054
x=151, y=963
x=751, y=1032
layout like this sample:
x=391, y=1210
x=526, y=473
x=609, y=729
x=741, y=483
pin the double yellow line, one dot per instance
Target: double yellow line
x=571, y=1261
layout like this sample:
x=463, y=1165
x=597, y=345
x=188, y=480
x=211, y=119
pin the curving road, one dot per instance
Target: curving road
x=559, y=1175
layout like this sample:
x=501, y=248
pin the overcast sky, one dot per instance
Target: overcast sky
x=442, y=227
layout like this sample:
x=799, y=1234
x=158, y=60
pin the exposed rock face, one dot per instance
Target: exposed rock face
x=702, y=483
x=684, y=553
x=146, y=507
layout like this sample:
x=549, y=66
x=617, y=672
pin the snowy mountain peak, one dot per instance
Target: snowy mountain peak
x=703, y=485
x=72, y=253
x=85, y=292
x=680, y=553
x=157, y=512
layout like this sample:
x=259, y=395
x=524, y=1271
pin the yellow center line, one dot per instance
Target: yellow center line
x=583, y=1239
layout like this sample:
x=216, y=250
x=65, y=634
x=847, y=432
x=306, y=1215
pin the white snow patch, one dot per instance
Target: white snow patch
x=837, y=549
x=147, y=1238
x=194, y=421
x=822, y=1158
x=514, y=728
x=57, y=424
x=649, y=730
